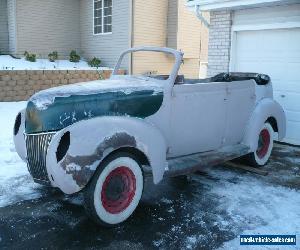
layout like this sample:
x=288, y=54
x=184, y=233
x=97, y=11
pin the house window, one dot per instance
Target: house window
x=102, y=16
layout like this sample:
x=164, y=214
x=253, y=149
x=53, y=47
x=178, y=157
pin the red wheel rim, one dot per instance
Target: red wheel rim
x=263, y=143
x=118, y=190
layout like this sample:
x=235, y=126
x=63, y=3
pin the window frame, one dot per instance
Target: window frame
x=102, y=17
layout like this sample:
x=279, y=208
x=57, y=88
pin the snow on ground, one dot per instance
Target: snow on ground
x=257, y=208
x=15, y=181
x=9, y=63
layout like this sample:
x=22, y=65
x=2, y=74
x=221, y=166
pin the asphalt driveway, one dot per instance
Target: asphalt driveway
x=203, y=211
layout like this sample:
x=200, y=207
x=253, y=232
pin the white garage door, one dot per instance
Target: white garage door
x=276, y=53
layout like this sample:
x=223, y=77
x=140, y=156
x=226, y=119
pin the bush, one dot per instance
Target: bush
x=53, y=56
x=30, y=57
x=74, y=57
x=95, y=62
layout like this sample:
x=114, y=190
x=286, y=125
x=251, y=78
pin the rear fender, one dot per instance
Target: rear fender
x=265, y=109
x=92, y=140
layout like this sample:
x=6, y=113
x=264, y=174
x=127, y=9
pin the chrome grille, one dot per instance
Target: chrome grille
x=37, y=145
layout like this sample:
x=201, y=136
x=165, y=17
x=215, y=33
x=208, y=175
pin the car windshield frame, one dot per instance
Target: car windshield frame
x=178, y=55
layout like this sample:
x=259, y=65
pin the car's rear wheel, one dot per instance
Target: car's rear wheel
x=263, y=152
x=115, y=190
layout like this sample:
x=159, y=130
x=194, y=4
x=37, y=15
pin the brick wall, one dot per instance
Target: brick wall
x=19, y=85
x=219, y=42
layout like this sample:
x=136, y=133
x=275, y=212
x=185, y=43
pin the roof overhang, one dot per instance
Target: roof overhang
x=208, y=5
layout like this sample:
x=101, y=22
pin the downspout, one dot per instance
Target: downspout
x=201, y=17
x=206, y=23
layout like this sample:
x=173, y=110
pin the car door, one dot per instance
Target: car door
x=197, y=119
x=240, y=104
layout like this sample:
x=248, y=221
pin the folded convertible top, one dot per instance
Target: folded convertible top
x=260, y=79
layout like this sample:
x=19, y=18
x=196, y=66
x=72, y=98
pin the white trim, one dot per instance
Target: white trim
x=207, y=5
x=270, y=26
x=232, y=51
x=14, y=27
x=102, y=34
x=102, y=26
x=130, y=40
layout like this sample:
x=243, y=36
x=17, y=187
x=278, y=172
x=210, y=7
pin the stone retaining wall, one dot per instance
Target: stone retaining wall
x=19, y=85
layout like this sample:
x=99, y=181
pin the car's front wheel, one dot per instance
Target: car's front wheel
x=115, y=190
x=264, y=149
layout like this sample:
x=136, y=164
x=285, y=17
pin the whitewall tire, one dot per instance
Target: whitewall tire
x=264, y=149
x=115, y=190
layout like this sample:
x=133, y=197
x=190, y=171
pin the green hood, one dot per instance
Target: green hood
x=59, y=107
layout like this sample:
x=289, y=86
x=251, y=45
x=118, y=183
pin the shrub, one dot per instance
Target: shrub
x=95, y=62
x=74, y=57
x=53, y=56
x=30, y=57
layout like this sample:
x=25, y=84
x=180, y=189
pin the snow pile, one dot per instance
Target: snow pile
x=15, y=181
x=9, y=63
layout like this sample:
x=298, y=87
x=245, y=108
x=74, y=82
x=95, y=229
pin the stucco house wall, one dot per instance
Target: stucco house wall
x=3, y=27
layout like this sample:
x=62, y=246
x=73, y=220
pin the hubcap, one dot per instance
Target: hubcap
x=263, y=143
x=118, y=190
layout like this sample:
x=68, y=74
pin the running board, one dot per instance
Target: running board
x=191, y=163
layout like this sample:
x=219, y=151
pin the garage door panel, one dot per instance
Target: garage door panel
x=289, y=101
x=271, y=68
x=293, y=135
x=276, y=53
x=292, y=71
x=247, y=67
x=285, y=85
x=294, y=116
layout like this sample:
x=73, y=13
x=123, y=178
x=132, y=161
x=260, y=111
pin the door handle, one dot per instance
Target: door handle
x=282, y=96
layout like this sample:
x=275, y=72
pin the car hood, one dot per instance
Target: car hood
x=59, y=107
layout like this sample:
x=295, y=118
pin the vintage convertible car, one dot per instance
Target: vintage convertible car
x=103, y=137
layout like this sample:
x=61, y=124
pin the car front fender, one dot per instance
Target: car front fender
x=90, y=141
x=265, y=109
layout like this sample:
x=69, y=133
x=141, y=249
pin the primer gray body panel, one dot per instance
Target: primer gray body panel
x=220, y=120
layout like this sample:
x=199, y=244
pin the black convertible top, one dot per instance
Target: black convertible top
x=260, y=79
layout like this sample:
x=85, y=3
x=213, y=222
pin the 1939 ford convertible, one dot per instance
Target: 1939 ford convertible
x=103, y=137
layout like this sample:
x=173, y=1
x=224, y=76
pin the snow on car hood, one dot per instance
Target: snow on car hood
x=59, y=107
x=127, y=85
